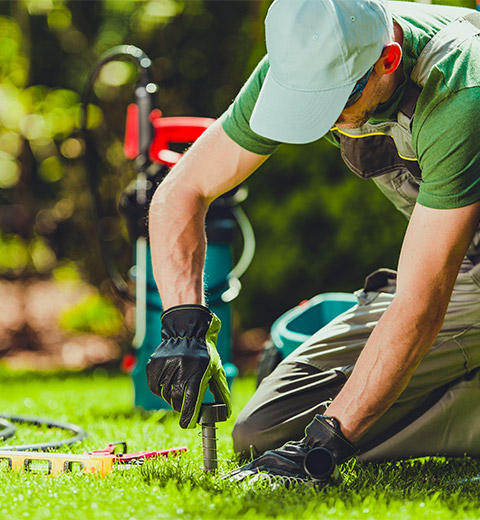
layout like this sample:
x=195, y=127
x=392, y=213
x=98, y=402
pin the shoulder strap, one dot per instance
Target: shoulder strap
x=474, y=18
x=408, y=104
x=444, y=42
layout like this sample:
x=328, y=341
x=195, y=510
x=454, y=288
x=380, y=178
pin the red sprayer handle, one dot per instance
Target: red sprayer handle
x=166, y=130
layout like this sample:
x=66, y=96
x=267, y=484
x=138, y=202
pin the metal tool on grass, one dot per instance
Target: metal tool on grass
x=210, y=413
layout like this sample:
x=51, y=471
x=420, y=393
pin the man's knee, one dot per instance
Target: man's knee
x=257, y=432
x=246, y=436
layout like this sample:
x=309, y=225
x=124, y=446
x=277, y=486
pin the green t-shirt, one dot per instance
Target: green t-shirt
x=445, y=129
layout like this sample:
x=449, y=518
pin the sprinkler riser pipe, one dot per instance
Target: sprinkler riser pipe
x=209, y=448
x=210, y=414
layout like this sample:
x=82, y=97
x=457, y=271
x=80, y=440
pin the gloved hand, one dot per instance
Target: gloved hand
x=187, y=362
x=315, y=457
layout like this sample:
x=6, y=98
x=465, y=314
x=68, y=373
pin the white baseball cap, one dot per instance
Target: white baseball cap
x=318, y=50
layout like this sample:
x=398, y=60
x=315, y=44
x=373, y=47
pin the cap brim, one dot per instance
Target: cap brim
x=292, y=116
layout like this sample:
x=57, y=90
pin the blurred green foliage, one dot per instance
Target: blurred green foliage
x=95, y=314
x=318, y=227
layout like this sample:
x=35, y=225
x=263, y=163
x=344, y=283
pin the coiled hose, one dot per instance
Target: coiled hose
x=8, y=430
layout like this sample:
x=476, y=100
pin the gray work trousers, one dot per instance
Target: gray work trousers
x=437, y=414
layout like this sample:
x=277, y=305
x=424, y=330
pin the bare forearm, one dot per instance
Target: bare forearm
x=212, y=166
x=432, y=252
x=177, y=240
x=383, y=370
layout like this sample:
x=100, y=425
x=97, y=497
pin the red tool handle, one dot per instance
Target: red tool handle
x=126, y=457
x=166, y=130
x=110, y=449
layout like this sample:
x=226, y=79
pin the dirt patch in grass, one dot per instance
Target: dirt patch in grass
x=30, y=335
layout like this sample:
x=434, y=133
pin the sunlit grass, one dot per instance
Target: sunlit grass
x=178, y=488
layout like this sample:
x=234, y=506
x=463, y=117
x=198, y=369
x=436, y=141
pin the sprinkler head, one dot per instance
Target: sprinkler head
x=212, y=413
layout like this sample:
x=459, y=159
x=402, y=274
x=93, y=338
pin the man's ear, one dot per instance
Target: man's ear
x=391, y=57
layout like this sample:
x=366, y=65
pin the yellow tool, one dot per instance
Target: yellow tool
x=99, y=462
x=55, y=463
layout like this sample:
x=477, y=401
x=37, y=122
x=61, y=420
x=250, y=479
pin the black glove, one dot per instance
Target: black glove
x=315, y=457
x=187, y=362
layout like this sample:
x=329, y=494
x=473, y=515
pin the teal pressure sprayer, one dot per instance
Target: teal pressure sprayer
x=221, y=281
x=150, y=140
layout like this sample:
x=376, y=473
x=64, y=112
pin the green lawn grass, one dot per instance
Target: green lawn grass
x=101, y=402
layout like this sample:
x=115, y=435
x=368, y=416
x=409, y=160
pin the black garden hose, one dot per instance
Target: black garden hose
x=9, y=429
